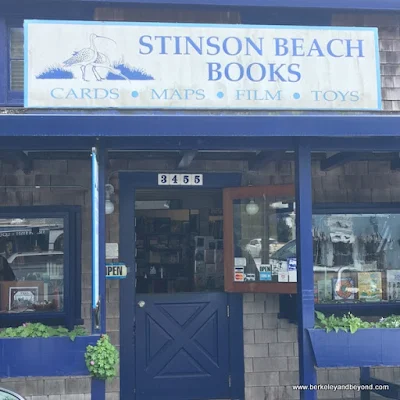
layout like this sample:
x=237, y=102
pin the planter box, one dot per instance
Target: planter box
x=54, y=356
x=364, y=348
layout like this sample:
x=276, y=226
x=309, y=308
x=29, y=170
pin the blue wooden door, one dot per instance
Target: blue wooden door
x=182, y=346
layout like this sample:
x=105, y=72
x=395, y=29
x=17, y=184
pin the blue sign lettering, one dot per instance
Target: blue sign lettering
x=85, y=93
x=211, y=45
x=175, y=94
x=333, y=48
x=332, y=95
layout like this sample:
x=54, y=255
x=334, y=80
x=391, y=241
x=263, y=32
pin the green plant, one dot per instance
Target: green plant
x=36, y=330
x=346, y=323
x=101, y=359
x=392, y=321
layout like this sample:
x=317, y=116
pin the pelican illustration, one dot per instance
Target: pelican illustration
x=91, y=56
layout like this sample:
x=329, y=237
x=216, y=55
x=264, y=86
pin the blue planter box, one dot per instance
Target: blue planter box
x=54, y=356
x=364, y=348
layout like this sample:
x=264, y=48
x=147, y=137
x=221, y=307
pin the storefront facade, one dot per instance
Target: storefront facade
x=215, y=180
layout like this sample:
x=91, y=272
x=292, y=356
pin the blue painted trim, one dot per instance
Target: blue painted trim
x=305, y=284
x=201, y=125
x=383, y=5
x=216, y=26
x=390, y=144
x=97, y=389
x=236, y=345
x=190, y=143
x=53, y=356
x=127, y=296
x=365, y=375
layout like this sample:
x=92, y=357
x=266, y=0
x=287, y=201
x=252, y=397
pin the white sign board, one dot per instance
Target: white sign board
x=112, y=251
x=178, y=66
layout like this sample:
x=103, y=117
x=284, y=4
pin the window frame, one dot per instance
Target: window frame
x=71, y=315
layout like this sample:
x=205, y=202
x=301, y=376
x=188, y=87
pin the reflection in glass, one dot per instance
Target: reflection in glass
x=177, y=249
x=356, y=257
x=31, y=265
x=261, y=227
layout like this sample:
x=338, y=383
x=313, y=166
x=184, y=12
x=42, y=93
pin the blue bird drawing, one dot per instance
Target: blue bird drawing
x=90, y=56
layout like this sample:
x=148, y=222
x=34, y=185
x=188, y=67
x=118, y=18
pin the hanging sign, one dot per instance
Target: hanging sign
x=189, y=66
x=116, y=271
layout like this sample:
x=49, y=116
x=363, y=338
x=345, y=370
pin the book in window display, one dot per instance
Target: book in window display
x=343, y=288
x=393, y=285
x=370, y=286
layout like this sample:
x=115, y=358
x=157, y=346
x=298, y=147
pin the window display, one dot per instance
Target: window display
x=31, y=265
x=356, y=257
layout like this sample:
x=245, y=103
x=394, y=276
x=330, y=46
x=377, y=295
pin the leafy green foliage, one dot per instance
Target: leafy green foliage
x=102, y=359
x=37, y=330
x=390, y=322
x=346, y=323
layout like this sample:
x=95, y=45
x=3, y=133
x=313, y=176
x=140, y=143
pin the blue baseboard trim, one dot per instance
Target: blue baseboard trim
x=98, y=389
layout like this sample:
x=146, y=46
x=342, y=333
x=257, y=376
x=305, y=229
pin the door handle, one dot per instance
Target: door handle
x=141, y=303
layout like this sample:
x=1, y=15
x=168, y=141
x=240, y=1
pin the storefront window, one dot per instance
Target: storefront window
x=261, y=229
x=356, y=258
x=31, y=265
x=259, y=226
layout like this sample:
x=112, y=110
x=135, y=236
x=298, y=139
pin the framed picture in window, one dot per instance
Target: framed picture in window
x=22, y=297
